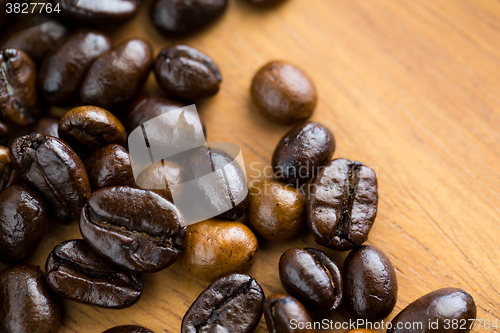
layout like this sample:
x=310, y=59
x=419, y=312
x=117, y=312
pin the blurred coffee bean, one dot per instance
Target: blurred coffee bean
x=4, y=134
x=47, y=125
x=163, y=177
x=285, y=314
x=128, y=329
x=145, y=108
x=7, y=173
x=97, y=12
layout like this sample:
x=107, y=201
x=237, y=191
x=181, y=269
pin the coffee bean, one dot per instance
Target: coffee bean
x=445, y=305
x=302, y=151
x=97, y=12
x=231, y=304
x=23, y=223
x=135, y=229
x=370, y=284
x=116, y=76
x=7, y=173
x=76, y=272
x=51, y=167
x=180, y=17
x=216, y=247
x=109, y=166
x=4, y=134
x=87, y=128
x=187, y=73
x=63, y=70
x=312, y=277
x=276, y=211
x=283, y=311
x=283, y=93
x=128, y=329
x=47, y=125
x=343, y=204
x=145, y=108
x=18, y=95
x=163, y=177
x=27, y=303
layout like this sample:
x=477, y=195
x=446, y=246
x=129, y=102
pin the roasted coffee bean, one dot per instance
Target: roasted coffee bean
x=23, y=223
x=283, y=93
x=145, y=108
x=39, y=39
x=115, y=77
x=63, y=70
x=163, y=177
x=302, y=151
x=7, y=173
x=76, y=272
x=47, y=125
x=51, y=167
x=312, y=277
x=231, y=304
x=181, y=17
x=28, y=304
x=4, y=134
x=135, y=229
x=443, y=306
x=128, y=329
x=18, y=94
x=109, y=166
x=370, y=284
x=187, y=73
x=216, y=247
x=87, y=128
x=231, y=187
x=343, y=204
x=276, y=211
x=98, y=12
x=282, y=312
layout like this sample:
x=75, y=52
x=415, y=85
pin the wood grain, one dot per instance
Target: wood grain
x=411, y=88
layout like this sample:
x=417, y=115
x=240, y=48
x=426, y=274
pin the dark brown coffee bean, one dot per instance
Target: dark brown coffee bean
x=87, y=128
x=302, y=151
x=145, y=108
x=443, y=306
x=135, y=229
x=109, y=166
x=276, y=211
x=231, y=304
x=181, y=17
x=4, y=134
x=28, y=304
x=38, y=40
x=370, y=284
x=7, y=173
x=97, y=12
x=18, y=95
x=128, y=329
x=163, y=177
x=23, y=223
x=115, y=77
x=187, y=73
x=63, y=70
x=283, y=93
x=51, y=167
x=47, y=125
x=343, y=204
x=312, y=277
x=285, y=314
x=76, y=272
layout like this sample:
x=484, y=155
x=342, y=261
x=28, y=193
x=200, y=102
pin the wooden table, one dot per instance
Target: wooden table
x=411, y=88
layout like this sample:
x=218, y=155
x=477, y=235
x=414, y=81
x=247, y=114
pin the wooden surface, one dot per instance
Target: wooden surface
x=411, y=88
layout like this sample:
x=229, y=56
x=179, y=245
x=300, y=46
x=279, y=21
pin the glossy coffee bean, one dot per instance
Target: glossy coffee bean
x=98, y=12
x=7, y=172
x=128, y=329
x=76, y=272
x=63, y=70
x=46, y=125
x=283, y=93
x=115, y=77
x=370, y=284
x=135, y=229
x=163, y=177
x=23, y=223
x=87, y=128
x=109, y=166
x=285, y=314
x=28, y=304
x=276, y=211
x=302, y=151
x=181, y=17
x=343, y=204
x=231, y=304
x=145, y=108
x=451, y=304
x=18, y=94
x=312, y=277
x=216, y=247
x=4, y=134
x=51, y=167
x=187, y=73
x=38, y=40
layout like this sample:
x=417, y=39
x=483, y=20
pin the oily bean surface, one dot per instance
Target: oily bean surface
x=7, y=172
x=145, y=108
x=231, y=304
x=97, y=12
x=4, y=134
x=343, y=204
x=163, y=177
x=128, y=329
x=282, y=310
x=47, y=125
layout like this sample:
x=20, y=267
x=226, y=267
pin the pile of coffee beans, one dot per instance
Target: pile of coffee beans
x=78, y=168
